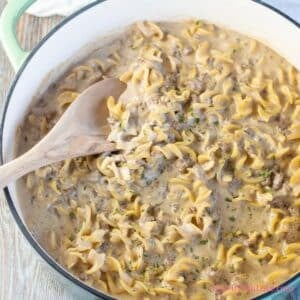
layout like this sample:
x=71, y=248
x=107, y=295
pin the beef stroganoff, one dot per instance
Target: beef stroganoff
x=201, y=200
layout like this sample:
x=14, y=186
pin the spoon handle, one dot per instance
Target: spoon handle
x=17, y=168
x=45, y=153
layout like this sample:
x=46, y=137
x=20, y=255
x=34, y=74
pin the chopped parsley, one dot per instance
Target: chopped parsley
x=72, y=215
x=156, y=265
x=203, y=242
x=116, y=211
x=204, y=260
x=231, y=269
x=228, y=199
x=181, y=119
x=249, y=212
x=232, y=218
x=265, y=174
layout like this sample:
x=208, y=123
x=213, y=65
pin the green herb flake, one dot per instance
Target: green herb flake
x=265, y=174
x=232, y=218
x=203, y=242
x=72, y=215
x=116, y=211
x=228, y=199
x=181, y=119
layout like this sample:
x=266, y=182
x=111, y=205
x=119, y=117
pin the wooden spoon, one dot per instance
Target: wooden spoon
x=81, y=131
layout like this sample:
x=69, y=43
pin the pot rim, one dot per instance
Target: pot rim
x=38, y=248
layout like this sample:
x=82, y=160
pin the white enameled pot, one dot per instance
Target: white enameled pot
x=83, y=30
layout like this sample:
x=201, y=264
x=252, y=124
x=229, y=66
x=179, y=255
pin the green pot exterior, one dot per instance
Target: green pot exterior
x=8, y=21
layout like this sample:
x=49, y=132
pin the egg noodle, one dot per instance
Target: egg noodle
x=201, y=199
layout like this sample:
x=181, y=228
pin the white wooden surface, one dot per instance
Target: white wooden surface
x=23, y=274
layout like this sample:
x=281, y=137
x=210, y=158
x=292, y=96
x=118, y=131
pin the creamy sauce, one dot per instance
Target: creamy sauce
x=202, y=199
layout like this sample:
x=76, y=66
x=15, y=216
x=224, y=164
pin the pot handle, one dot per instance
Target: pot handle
x=8, y=21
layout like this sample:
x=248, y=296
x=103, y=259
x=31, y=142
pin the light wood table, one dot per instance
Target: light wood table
x=23, y=274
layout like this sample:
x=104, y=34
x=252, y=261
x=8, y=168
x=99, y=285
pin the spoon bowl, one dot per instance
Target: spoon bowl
x=82, y=130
